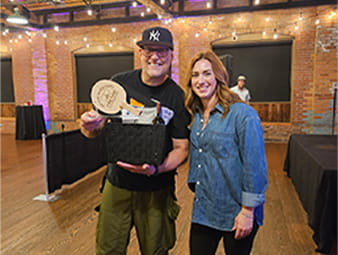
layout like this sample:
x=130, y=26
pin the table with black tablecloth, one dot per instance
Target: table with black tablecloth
x=30, y=122
x=311, y=163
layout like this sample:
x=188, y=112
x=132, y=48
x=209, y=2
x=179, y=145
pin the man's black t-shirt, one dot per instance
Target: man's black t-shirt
x=171, y=98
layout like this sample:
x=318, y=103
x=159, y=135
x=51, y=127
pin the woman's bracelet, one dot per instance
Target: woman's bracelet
x=247, y=215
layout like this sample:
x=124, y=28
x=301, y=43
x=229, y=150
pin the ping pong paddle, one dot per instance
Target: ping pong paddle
x=110, y=97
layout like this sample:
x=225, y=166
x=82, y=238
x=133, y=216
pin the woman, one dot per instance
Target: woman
x=227, y=162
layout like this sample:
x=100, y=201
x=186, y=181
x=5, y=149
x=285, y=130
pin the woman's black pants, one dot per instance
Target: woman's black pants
x=204, y=241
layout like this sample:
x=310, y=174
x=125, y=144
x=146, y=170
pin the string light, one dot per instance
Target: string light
x=234, y=36
x=134, y=4
x=257, y=2
x=208, y=5
x=90, y=12
x=148, y=9
x=332, y=14
x=300, y=18
x=162, y=2
x=315, y=19
x=296, y=26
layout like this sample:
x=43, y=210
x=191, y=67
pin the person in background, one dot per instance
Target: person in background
x=228, y=172
x=144, y=195
x=241, y=90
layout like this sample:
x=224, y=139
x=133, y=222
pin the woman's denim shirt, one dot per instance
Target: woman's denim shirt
x=227, y=166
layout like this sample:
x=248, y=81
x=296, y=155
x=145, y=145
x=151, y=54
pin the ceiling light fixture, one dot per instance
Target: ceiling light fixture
x=17, y=18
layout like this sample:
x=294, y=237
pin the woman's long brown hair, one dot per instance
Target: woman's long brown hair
x=224, y=95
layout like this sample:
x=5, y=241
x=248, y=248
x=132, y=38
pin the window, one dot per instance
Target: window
x=93, y=67
x=7, y=91
x=266, y=65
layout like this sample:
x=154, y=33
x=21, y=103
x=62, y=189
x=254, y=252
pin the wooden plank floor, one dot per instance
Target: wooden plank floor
x=67, y=226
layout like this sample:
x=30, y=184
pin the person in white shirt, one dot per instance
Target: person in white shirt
x=240, y=89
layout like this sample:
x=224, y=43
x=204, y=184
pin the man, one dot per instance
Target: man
x=144, y=195
x=240, y=89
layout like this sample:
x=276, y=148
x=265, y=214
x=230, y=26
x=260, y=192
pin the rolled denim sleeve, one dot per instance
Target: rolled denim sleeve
x=252, y=200
x=251, y=141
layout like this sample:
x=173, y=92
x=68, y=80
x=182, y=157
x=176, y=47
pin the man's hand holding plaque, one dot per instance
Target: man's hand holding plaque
x=108, y=98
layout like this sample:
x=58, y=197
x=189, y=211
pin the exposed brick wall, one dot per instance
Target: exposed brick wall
x=60, y=74
x=39, y=63
x=314, y=60
x=22, y=68
x=319, y=114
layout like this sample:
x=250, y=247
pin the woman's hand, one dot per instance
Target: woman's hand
x=243, y=223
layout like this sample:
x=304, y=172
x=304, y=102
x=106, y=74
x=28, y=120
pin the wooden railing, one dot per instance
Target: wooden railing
x=267, y=111
x=8, y=110
x=83, y=107
x=273, y=111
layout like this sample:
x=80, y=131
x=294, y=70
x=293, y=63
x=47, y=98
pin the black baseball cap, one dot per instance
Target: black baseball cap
x=156, y=36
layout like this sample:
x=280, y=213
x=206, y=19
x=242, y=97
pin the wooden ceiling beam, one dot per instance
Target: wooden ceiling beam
x=156, y=8
x=83, y=7
x=159, y=10
x=118, y=20
x=260, y=7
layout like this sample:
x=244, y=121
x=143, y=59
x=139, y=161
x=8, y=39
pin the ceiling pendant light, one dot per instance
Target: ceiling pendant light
x=17, y=18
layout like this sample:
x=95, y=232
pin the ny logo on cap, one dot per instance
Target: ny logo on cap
x=154, y=35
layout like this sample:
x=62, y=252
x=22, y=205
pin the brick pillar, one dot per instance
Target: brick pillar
x=39, y=69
